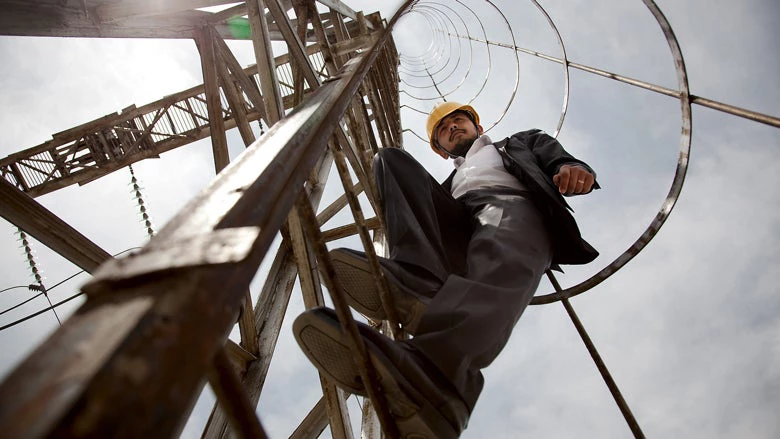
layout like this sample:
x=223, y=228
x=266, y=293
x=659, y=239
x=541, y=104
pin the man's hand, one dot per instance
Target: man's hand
x=573, y=179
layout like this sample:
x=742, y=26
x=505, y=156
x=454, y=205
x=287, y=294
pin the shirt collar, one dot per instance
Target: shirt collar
x=481, y=142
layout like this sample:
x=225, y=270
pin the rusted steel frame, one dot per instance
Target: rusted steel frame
x=699, y=100
x=294, y=45
x=355, y=341
x=313, y=424
x=232, y=398
x=349, y=230
x=208, y=58
x=266, y=65
x=37, y=221
x=155, y=295
x=600, y=365
x=309, y=278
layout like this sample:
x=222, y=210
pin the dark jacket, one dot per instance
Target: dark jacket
x=534, y=158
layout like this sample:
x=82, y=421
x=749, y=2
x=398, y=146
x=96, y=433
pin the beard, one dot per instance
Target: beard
x=462, y=147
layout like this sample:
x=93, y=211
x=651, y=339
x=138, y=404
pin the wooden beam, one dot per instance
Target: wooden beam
x=235, y=100
x=27, y=214
x=311, y=287
x=239, y=357
x=266, y=67
x=141, y=8
x=66, y=18
x=341, y=8
x=208, y=60
x=322, y=38
x=233, y=399
x=348, y=230
x=270, y=309
x=314, y=423
x=294, y=45
x=247, y=84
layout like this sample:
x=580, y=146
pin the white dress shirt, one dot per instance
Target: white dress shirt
x=481, y=168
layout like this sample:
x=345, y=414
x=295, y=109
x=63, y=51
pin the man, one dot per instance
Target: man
x=465, y=259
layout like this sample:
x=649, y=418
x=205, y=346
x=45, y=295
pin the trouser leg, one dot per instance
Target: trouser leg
x=471, y=317
x=427, y=229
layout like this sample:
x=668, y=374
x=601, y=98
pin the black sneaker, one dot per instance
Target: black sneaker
x=359, y=288
x=421, y=408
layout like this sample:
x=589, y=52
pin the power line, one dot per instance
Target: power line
x=42, y=291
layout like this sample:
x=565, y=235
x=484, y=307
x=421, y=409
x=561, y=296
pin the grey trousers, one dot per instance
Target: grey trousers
x=479, y=259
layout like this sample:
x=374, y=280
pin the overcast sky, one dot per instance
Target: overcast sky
x=690, y=329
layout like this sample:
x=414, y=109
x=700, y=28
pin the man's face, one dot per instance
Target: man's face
x=455, y=133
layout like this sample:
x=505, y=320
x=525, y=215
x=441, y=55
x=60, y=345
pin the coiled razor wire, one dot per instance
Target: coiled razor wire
x=441, y=15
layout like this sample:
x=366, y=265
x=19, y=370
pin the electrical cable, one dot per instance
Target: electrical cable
x=52, y=306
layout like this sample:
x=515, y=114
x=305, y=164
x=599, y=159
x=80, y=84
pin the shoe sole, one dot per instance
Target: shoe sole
x=357, y=282
x=325, y=345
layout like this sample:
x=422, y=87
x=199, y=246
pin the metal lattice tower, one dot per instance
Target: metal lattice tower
x=331, y=101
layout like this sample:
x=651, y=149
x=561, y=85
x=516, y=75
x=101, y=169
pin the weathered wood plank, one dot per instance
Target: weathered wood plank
x=141, y=8
x=314, y=423
x=210, y=80
x=40, y=223
x=261, y=42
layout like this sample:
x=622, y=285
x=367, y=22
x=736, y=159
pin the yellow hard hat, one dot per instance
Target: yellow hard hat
x=442, y=110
